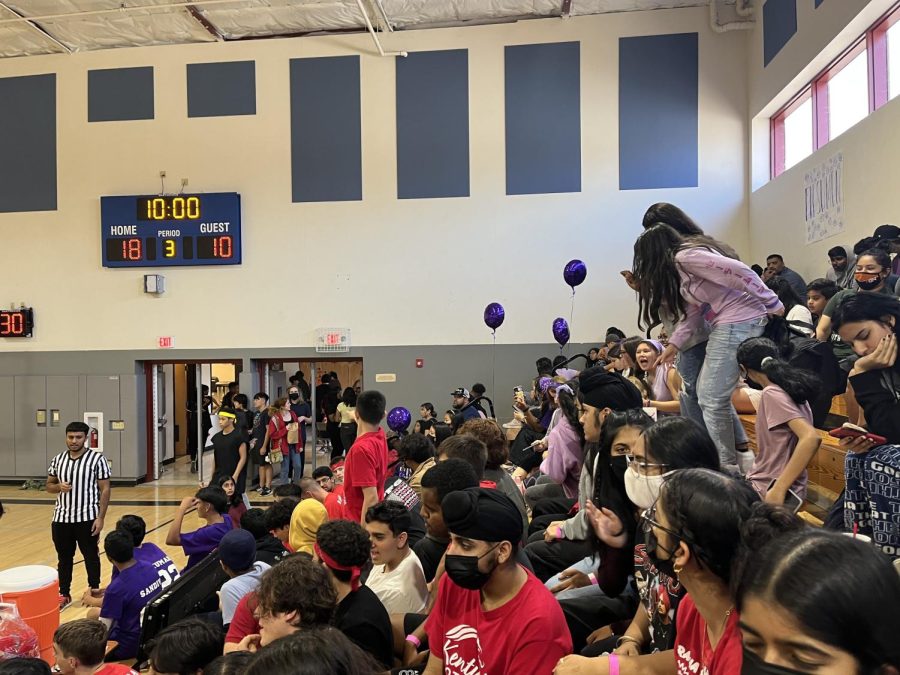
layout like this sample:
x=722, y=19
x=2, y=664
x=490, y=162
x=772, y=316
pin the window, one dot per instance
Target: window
x=848, y=94
x=859, y=81
x=893, y=59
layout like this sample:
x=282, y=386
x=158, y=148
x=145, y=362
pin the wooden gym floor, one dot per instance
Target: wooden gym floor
x=25, y=527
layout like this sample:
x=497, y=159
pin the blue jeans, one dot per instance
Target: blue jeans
x=585, y=566
x=688, y=365
x=294, y=459
x=716, y=382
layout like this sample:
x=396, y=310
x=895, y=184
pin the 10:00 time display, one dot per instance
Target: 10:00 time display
x=168, y=208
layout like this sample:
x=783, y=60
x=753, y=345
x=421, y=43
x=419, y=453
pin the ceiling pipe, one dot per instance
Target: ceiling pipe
x=374, y=35
x=36, y=28
x=726, y=27
x=119, y=10
x=384, y=16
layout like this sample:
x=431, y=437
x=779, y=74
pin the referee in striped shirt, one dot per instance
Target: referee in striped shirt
x=79, y=477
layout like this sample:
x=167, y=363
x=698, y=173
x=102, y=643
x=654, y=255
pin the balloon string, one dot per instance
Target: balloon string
x=572, y=312
x=494, y=364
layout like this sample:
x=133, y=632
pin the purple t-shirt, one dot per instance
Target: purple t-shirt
x=200, y=543
x=775, y=440
x=123, y=601
x=158, y=559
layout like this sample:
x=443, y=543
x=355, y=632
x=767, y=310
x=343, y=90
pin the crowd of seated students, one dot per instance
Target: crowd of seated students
x=629, y=526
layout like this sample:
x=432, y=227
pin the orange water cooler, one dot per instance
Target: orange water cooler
x=34, y=589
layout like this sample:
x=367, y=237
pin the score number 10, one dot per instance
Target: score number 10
x=207, y=247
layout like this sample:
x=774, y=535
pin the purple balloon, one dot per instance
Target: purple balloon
x=574, y=273
x=494, y=315
x=398, y=419
x=561, y=331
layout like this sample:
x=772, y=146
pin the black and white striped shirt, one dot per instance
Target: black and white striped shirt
x=82, y=502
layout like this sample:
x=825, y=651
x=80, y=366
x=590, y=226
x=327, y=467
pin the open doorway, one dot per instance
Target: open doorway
x=322, y=437
x=175, y=429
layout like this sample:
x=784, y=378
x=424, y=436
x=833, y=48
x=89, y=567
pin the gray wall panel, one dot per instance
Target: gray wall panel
x=62, y=395
x=7, y=425
x=221, y=89
x=28, y=143
x=120, y=94
x=31, y=439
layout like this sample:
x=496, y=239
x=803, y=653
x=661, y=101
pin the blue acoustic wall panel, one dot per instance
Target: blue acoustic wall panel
x=221, y=89
x=326, y=145
x=119, y=94
x=658, y=111
x=819, y=2
x=543, y=118
x=433, y=124
x=28, y=143
x=779, y=26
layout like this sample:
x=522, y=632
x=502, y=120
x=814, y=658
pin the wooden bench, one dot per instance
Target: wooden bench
x=826, y=473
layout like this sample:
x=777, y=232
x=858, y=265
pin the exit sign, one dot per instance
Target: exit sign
x=165, y=342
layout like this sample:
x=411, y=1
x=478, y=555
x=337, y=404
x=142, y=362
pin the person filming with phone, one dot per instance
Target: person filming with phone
x=869, y=322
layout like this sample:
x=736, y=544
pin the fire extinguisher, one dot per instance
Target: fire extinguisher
x=95, y=439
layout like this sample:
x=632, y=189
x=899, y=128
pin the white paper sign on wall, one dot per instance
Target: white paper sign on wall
x=823, y=196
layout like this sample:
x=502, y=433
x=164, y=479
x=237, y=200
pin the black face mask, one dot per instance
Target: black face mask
x=294, y=397
x=463, y=570
x=664, y=565
x=619, y=465
x=753, y=665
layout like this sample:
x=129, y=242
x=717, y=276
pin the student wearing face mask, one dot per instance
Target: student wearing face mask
x=491, y=615
x=694, y=534
x=819, y=602
x=661, y=449
x=301, y=408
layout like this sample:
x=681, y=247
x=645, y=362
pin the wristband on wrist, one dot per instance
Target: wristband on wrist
x=628, y=638
x=559, y=533
x=594, y=582
x=414, y=640
x=613, y=664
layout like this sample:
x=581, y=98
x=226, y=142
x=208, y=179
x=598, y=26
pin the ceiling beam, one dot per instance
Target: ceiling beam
x=39, y=29
x=208, y=25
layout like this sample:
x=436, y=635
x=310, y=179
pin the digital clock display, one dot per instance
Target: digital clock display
x=167, y=231
x=168, y=208
x=16, y=323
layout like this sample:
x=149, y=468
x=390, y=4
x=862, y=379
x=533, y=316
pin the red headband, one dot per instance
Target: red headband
x=354, y=570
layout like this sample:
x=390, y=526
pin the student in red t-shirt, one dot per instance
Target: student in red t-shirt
x=366, y=467
x=333, y=501
x=491, y=615
x=79, y=647
x=693, y=532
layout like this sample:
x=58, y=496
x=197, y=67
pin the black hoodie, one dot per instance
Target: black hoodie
x=270, y=550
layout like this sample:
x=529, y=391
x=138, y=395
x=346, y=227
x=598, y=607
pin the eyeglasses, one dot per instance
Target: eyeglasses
x=649, y=521
x=642, y=464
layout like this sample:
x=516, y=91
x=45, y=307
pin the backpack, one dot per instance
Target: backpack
x=807, y=353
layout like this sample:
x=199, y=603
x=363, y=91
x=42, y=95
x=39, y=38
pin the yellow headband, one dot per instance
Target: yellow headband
x=228, y=414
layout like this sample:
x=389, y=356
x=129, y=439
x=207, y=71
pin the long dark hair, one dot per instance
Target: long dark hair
x=708, y=510
x=867, y=307
x=656, y=274
x=235, y=497
x=671, y=215
x=842, y=591
x=785, y=293
x=568, y=405
x=762, y=355
x=320, y=650
x=609, y=485
x=680, y=443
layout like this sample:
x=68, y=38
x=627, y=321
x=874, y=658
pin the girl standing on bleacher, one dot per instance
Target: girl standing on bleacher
x=786, y=438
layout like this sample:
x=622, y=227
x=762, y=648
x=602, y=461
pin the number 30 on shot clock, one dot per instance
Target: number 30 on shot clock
x=171, y=230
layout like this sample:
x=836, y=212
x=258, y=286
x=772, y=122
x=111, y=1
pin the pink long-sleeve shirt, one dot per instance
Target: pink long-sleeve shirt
x=566, y=456
x=719, y=290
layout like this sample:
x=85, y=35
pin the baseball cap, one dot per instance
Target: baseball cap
x=460, y=391
x=883, y=232
x=238, y=550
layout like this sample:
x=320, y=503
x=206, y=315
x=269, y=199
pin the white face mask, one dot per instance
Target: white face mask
x=643, y=491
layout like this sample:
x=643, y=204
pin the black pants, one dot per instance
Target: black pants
x=333, y=429
x=584, y=615
x=552, y=558
x=65, y=537
x=548, y=510
x=348, y=434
